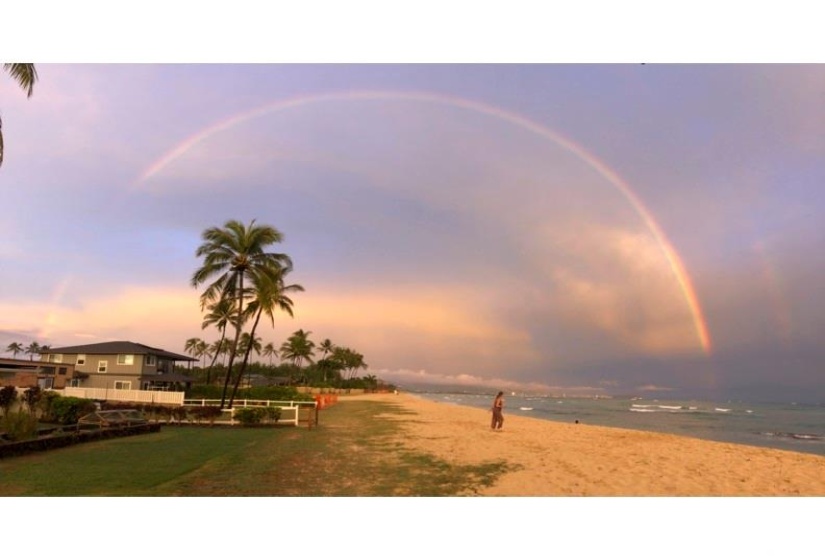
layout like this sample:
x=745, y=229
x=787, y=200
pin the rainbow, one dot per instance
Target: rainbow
x=672, y=257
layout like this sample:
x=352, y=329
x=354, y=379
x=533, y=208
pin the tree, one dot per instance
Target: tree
x=236, y=254
x=203, y=351
x=327, y=347
x=191, y=347
x=25, y=75
x=350, y=359
x=270, y=350
x=298, y=348
x=15, y=348
x=269, y=294
x=32, y=349
x=221, y=314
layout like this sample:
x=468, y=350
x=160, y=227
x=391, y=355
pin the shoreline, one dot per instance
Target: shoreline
x=553, y=459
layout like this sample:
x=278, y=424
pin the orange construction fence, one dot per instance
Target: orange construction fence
x=324, y=401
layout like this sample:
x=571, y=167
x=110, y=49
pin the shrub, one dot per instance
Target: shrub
x=8, y=395
x=67, y=410
x=45, y=405
x=32, y=397
x=179, y=414
x=250, y=416
x=210, y=413
x=19, y=426
x=272, y=413
x=258, y=393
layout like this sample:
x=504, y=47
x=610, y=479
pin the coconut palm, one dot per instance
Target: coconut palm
x=270, y=351
x=191, y=347
x=25, y=75
x=235, y=254
x=32, y=349
x=203, y=351
x=327, y=347
x=269, y=294
x=15, y=348
x=221, y=314
x=298, y=347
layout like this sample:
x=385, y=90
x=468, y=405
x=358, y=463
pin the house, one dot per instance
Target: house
x=27, y=373
x=121, y=365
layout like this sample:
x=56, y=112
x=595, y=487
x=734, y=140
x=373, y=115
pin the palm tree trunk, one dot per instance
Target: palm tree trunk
x=232, y=352
x=245, y=358
x=217, y=353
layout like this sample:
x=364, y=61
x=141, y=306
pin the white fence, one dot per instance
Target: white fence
x=152, y=397
x=289, y=409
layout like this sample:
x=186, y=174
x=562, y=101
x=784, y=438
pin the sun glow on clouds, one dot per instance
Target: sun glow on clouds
x=148, y=315
x=449, y=327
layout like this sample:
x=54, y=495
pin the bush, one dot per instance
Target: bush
x=32, y=396
x=8, y=395
x=257, y=393
x=209, y=413
x=67, y=410
x=19, y=426
x=272, y=413
x=250, y=416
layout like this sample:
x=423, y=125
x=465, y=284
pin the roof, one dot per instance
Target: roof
x=120, y=347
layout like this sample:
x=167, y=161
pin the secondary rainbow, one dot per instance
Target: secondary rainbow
x=672, y=257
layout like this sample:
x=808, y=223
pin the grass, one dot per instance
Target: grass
x=355, y=451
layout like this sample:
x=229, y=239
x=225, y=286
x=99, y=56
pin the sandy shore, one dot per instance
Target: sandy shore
x=556, y=459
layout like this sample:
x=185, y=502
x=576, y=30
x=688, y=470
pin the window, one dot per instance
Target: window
x=81, y=359
x=102, y=366
x=150, y=360
x=125, y=359
x=75, y=382
x=123, y=385
x=62, y=371
x=56, y=358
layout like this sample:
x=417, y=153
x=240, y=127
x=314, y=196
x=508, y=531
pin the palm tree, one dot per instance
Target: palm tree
x=269, y=294
x=15, y=348
x=203, y=351
x=25, y=75
x=221, y=313
x=327, y=347
x=234, y=254
x=32, y=349
x=298, y=348
x=191, y=347
x=270, y=350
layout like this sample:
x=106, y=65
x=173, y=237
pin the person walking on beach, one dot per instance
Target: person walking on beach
x=498, y=404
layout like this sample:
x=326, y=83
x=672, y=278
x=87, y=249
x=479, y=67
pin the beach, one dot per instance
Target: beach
x=553, y=459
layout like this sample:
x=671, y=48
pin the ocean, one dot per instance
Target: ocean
x=789, y=426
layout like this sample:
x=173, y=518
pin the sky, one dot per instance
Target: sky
x=580, y=228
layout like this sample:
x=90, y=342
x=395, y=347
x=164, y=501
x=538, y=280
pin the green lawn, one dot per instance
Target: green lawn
x=351, y=453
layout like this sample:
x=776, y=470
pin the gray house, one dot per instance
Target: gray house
x=120, y=365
